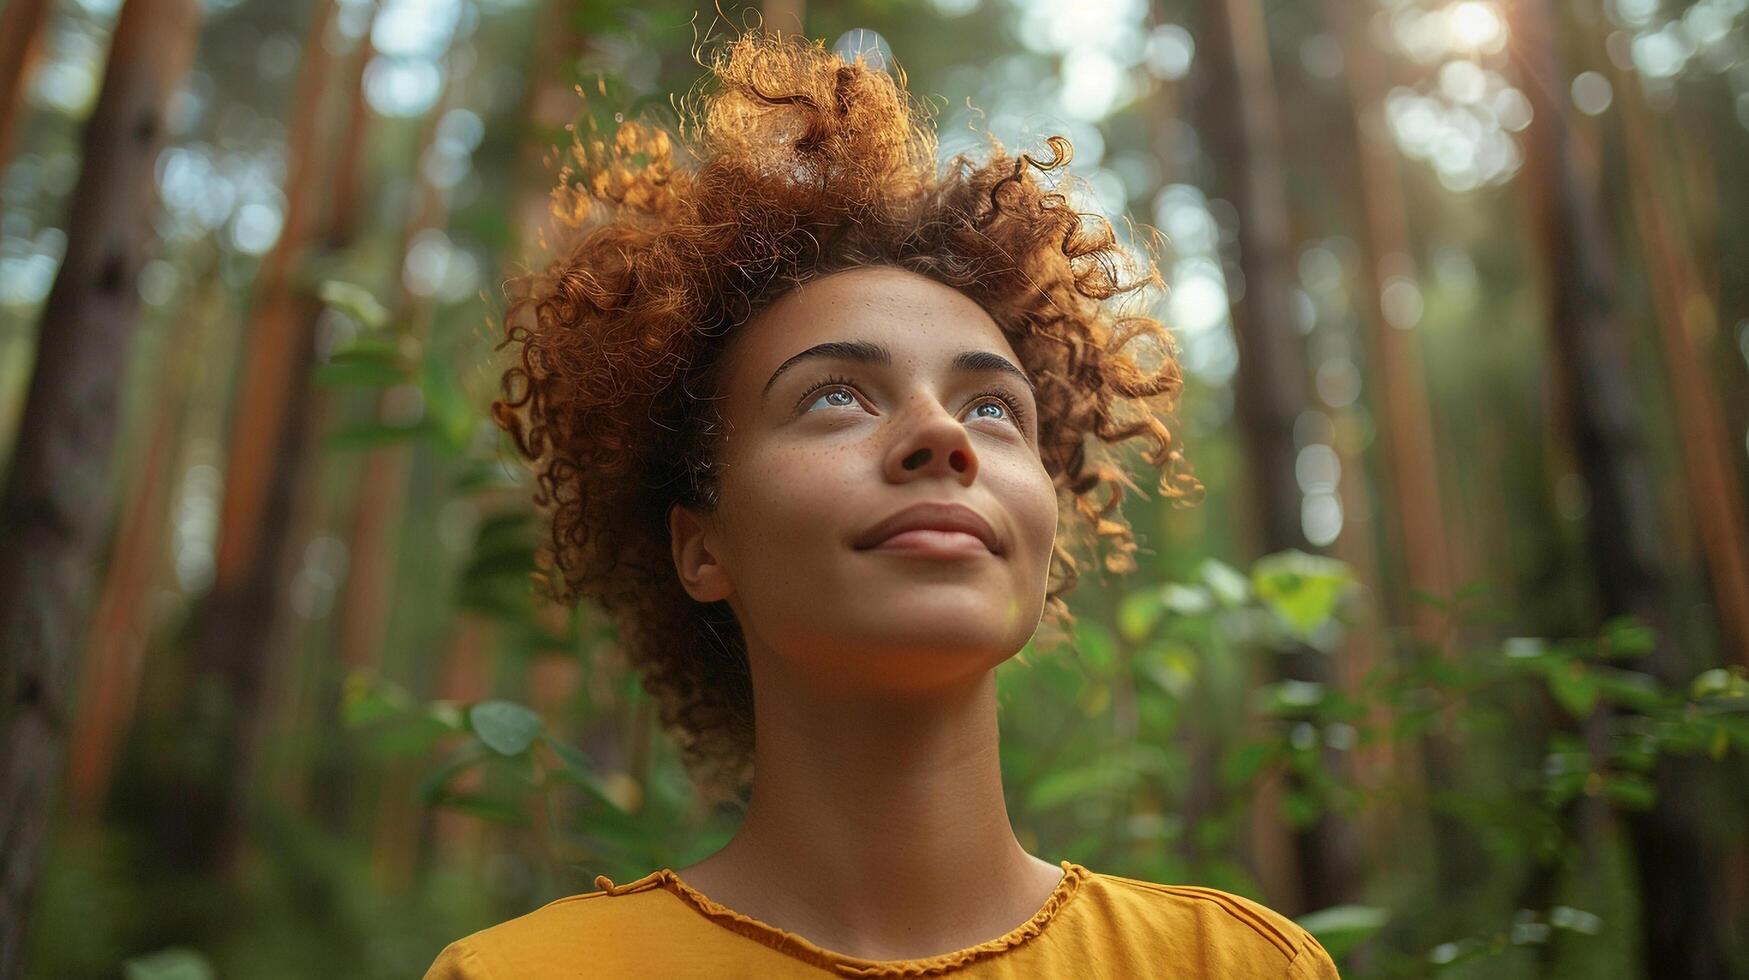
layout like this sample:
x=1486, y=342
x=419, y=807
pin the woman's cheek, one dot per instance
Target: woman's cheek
x=799, y=503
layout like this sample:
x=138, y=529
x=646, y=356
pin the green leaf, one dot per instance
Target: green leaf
x=370, y=435
x=1340, y=928
x=367, y=699
x=1228, y=584
x=1172, y=666
x=446, y=406
x=1187, y=600
x=1720, y=682
x=173, y=963
x=353, y=300
x=1301, y=809
x=1630, y=790
x=1628, y=688
x=505, y=727
x=1290, y=697
x=1625, y=636
x=1241, y=765
x=1137, y=613
x=1304, y=590
x=369, y=366
x=1575, y=920
x=1574, y=688
x=1525, y=648
x=413, y=734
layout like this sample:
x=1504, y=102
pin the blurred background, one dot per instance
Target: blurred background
x=1449, y=664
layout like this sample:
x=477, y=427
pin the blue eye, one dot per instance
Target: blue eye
x=827, y=389
x=848, y=401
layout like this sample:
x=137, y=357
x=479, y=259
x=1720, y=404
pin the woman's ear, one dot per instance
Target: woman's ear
x=701, y=574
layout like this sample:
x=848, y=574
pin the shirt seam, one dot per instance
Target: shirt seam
x=798, y=947
x=1285, y=944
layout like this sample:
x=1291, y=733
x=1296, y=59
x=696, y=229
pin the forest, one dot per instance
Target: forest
x=1449, y=663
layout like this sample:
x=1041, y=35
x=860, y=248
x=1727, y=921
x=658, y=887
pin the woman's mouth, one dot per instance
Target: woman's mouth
x=932, y=543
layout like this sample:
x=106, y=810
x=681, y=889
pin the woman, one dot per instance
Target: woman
x=804, y=411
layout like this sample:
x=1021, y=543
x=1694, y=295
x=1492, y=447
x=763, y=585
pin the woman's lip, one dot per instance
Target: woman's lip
x=933, y=543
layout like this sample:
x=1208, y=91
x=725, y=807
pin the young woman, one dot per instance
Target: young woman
x=804, y=411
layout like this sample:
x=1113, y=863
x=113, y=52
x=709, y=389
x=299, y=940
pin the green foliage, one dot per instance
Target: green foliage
x=1189, y=709
x=503, y=727
x=175, y=963
x=1340, y=928
x=1303, y=590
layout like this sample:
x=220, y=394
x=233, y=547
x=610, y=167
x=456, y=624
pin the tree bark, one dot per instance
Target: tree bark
x=236, y=631
x=1398, y=372
x=114, y=658
x=1680, y=937
x=56, y=501
x=1241, y=114
x=1684, y=312
x=21, y=30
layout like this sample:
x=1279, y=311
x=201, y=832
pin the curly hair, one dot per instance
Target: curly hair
x=789, y=163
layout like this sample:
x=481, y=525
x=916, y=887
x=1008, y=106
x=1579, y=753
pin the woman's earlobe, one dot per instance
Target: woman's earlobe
x=701, y=574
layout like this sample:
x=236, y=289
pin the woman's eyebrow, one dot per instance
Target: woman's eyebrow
x=868, y=352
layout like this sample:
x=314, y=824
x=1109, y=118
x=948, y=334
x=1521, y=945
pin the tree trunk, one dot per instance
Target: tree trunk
x=325, y=786
x=115, y=652
x=21, y=30
x=236, y=633
x=1398, y=372
x=1685, y=313
x=1242, y=117
x=370, y=580
x=55, y=505
x=1680, y=937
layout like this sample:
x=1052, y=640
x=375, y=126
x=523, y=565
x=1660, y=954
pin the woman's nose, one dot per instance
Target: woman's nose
x=935, y=446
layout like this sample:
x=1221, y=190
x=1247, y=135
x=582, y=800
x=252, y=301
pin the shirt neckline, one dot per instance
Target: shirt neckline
x=788, y=943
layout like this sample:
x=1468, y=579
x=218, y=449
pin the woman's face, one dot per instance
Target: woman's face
x=847, y=401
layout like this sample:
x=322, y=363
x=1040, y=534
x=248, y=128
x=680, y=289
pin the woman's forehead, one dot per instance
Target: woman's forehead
x=914, y=317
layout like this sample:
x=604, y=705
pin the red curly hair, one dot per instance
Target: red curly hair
x=790, y=163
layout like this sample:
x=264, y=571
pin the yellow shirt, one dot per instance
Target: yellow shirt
x=1093, y=925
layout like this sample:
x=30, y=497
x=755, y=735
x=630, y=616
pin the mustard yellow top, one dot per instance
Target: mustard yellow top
x=1093, y=925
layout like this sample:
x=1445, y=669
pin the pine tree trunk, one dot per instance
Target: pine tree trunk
x=1686, y=312
x=1241, y=115
x=21, y=32
x=237, y=634
x=1681, y=939
x=114, y=658
x=55, y=506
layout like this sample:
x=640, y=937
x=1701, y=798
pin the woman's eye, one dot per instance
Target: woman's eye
x=1001, y=413
x=834, y=397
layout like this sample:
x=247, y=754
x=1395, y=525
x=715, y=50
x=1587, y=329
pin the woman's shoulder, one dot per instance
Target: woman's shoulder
x=545, y=942
x=1237, y=929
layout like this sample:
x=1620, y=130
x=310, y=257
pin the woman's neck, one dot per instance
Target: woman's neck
x=878, y=828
